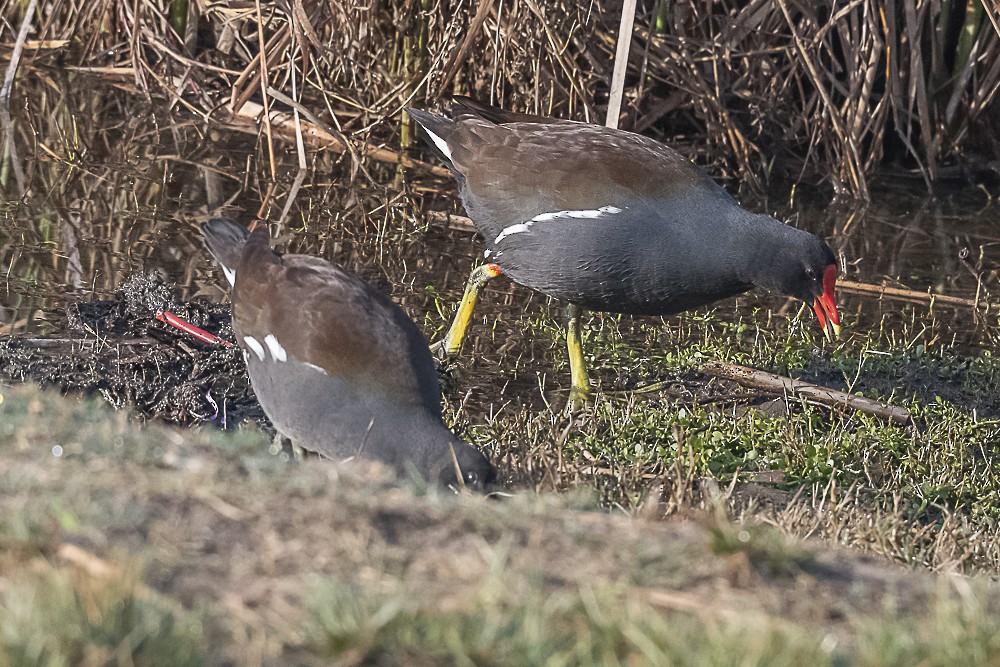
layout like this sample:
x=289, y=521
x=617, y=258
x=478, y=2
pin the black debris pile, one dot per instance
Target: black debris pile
x=119, y=349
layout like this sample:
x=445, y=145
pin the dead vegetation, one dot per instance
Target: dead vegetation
x=764, y=88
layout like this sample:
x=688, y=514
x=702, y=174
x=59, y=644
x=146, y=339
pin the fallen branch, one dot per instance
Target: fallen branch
x=454, y=221
x=757, y=379
x=905, y=294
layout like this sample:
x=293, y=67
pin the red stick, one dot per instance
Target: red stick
x=190, y=329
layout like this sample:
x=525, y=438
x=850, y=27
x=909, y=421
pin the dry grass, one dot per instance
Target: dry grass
x=235, y=556
x=813, y=91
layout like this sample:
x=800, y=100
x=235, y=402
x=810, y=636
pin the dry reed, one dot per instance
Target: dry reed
x=808, y=91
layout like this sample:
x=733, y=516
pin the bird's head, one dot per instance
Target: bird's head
x=466, y=467
x=807, y=269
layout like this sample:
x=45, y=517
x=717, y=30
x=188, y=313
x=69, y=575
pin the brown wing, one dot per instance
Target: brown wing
x=568, y=166
x=323, y=316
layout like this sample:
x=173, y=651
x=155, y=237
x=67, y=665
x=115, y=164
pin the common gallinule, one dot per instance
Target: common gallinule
x=612, y=221
x=337, y=366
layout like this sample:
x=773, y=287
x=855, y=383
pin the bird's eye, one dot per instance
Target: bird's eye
x=472, y=478
x=810, y=274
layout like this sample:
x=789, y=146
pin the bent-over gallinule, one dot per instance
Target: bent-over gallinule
x=337, y=366
x=612, y=221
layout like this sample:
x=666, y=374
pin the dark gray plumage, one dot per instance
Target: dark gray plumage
x=614, y=221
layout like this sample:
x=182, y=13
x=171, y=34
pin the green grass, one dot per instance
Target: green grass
x=959, y=630
x=58, y=616
x=145, y=545
x=937, y=474
x=509, y=622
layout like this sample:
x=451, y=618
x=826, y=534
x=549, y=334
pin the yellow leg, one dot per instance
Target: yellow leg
x=456, y=334
x=579, y=392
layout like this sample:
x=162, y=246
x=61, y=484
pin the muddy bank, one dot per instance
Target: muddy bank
x=118, y=349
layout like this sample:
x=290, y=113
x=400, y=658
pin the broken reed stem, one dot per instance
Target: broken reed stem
x=252, y=71
x=458, y=57
x=15, y=58
x=300, y=151
x=621, y=63
x=779, y=384
x=9, y=145
x=263, y=92
x=284, y=128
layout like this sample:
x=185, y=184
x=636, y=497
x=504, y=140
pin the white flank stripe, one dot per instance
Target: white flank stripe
x=315, y=367
x=257, y=348
x=274, y=347
x=230, y=275
x=513, y=229
x=487, y=253
x=585, y=214
x=440, y=143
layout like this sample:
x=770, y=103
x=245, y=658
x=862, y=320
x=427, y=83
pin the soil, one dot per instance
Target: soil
x=118, y=348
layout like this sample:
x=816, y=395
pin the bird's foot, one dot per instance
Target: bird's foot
x=579, y=397
x=438, y=350
x=288, y=448
x=444, y=350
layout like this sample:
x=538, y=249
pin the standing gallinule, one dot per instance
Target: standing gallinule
x=613, y=221
x=338, y=367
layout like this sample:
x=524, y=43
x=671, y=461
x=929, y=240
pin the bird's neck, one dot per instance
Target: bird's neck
x=411, y=436
x=758, y=242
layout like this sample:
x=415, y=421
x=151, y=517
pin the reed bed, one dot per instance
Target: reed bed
x=817, y=92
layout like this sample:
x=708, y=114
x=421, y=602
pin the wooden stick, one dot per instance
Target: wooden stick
x=905, y=294
x=758, y=379
x=621, y=63
x=454, y=221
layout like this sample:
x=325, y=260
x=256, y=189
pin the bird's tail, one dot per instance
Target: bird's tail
x=437, y=128
x=467, y=106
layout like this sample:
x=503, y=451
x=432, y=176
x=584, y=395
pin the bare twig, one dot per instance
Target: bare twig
x=10, y=147
x=906, y=294
x=263, y=92
x=758, y=379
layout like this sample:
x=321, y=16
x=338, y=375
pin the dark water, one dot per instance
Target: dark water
x=115, y=188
